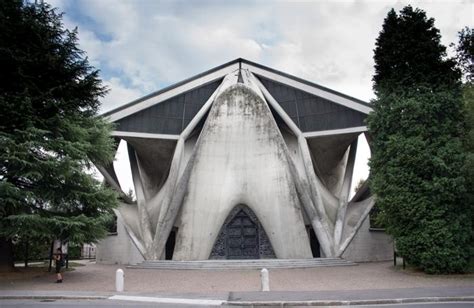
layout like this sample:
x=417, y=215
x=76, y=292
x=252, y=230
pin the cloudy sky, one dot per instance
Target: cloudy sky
x=141, y=46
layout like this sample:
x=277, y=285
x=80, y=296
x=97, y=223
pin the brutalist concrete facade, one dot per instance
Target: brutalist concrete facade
x=242, y=162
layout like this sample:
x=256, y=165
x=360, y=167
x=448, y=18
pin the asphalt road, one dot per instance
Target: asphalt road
x=112, y=303
x=105, y=303
x=425, y=305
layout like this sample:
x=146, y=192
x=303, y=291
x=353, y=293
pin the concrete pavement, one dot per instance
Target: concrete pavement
x=352, y=297
x=273, y=298
x=367, y=283
x=101, y=278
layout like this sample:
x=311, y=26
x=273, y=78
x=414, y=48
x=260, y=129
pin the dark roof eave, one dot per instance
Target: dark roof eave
x=309, y=83
x=225, y=65
x=141, y=99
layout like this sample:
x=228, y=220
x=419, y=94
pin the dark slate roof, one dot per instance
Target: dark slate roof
x=170, y=116
x=309, y=83
x=166, y=89
x=308, y=111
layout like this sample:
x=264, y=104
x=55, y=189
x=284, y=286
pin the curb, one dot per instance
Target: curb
x=263, y=303
x=353, y=302
x=53, y=297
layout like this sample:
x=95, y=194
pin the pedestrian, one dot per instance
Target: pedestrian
x=59, y=262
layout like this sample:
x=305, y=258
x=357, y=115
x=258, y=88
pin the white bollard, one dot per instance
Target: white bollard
x=119, y=280
x=265, y=279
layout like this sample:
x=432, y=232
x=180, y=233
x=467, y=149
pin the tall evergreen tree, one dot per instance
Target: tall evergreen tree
x=49, y=132
x=465, y=58
x=409, y=53
x=417, y=155
x=468, y=142
x=465, y=53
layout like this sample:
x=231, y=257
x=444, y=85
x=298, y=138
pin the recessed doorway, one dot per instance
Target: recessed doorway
x=242, y=237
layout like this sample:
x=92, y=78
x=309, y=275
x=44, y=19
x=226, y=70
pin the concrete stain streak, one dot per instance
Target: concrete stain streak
x=240, y=156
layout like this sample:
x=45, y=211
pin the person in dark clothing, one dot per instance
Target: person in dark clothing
x=59, y=262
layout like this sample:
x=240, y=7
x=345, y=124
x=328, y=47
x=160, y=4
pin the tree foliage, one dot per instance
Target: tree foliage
x=468, y=142
x=409, y=53
x=417, y=154
x=465, y=58
x=465, y=53
x=49, y=131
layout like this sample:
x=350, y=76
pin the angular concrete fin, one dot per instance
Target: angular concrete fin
x=110, y=177
x=154, y=161
x=363, y=192
x=128, y=213
x=143, y=214
x=344, y=192
x=356, y=213
x=329, y=154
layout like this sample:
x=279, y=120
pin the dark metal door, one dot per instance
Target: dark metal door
x=242, y=238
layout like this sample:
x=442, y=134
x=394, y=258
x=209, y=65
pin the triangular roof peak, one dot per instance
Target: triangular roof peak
x=219, y=72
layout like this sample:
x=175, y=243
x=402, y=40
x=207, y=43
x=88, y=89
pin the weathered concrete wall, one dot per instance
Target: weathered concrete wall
x=239, y=159
x=118, y=248
x=369, y=245
x=241, y=156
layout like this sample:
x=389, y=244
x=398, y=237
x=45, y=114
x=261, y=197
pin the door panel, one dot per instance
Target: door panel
x=242, y=238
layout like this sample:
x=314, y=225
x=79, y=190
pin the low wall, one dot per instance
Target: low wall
x=118, y=248
x=369, y=245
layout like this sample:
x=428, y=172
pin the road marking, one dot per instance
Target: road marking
x=167, y=300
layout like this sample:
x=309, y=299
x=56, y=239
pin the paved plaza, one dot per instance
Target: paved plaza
x=364, y=283
x=364, y=276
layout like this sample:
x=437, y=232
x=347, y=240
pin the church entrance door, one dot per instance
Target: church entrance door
x=242, y=237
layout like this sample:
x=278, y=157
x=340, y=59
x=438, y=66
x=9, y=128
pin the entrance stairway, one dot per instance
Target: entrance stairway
x=241, y=264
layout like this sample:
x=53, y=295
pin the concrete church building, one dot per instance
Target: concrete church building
x=242, y=162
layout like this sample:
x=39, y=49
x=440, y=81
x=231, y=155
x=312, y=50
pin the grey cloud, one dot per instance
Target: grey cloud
x=162, y=42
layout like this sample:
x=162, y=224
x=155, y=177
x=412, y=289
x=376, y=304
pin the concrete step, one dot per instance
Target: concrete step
x=242, y=264
x=239, y=264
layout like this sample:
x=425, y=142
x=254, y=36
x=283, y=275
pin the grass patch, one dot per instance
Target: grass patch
x=75, y=264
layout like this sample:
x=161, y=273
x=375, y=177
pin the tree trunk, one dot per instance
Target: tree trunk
x=6, y=255
x=27, y=244
x=51, y=256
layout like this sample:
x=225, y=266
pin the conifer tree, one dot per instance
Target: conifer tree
x=417, y=155
x=465, y=59
x=465, y=54
x=49, y=132
x=409, y=53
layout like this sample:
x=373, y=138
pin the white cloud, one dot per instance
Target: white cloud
x=154, y=43
x=118, y=94
x=141, y=46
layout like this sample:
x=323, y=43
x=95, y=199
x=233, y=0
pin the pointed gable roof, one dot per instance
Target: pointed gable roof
x=312, y=107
